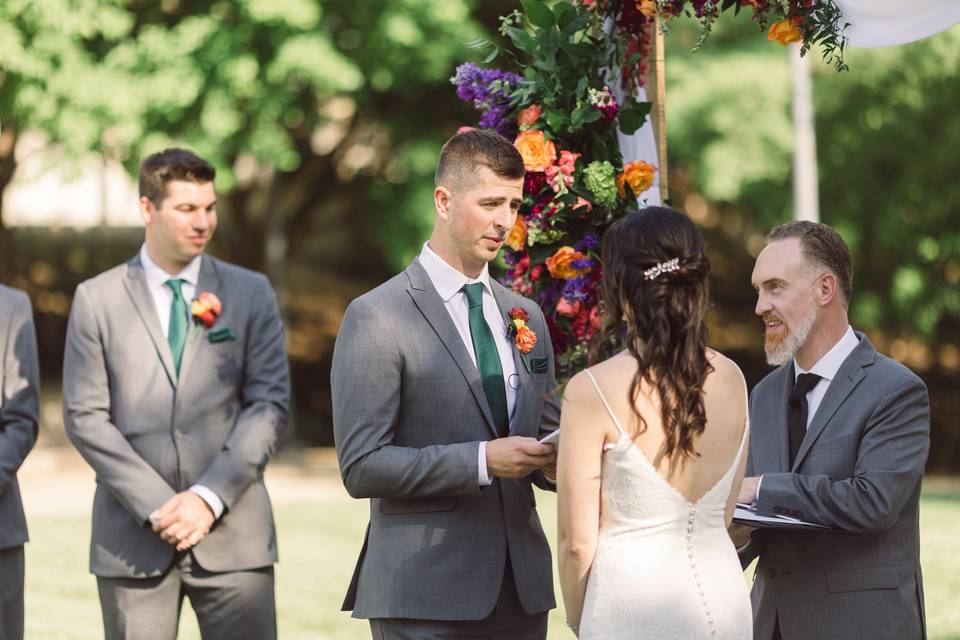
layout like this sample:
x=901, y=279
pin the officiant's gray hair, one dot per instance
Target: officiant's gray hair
x=465, y=152
x=822, y=246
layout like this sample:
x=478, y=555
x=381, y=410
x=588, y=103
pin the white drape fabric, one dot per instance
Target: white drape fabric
x=885, y=23
x=641, y=145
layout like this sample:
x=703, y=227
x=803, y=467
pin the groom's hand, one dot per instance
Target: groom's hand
x=183, y=520
x=748, y=490
x=516, y=456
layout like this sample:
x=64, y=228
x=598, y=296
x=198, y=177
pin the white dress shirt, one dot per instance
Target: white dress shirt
x=449, y=284
x=163, y=300
x=826, y=367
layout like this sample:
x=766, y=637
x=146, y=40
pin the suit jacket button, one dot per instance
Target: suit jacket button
x=777, y=510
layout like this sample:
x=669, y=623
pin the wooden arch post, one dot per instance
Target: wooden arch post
x=657, y=82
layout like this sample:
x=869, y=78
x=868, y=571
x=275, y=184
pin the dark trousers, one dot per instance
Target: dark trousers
x=11, y=594
x=508, y=620
x=235, y=605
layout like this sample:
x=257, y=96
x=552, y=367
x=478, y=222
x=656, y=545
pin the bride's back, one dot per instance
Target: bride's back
x=715, y=448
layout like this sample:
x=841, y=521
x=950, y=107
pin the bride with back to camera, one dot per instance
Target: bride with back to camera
x=653, y=451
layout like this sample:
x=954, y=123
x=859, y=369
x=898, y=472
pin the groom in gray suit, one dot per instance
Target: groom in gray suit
x=840, y=438
x=178, y=406
x=436, y=415
x=18, y=433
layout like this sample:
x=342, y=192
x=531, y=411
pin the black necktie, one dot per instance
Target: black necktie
x=797, y=414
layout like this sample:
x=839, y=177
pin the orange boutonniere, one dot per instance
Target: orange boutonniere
x=205, y=309
x=523, y=336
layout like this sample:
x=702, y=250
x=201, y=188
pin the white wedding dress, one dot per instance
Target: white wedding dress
x=665, y=567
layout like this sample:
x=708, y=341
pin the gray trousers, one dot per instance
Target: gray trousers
x=11, y=594
x=508, y=620
x=236, y=605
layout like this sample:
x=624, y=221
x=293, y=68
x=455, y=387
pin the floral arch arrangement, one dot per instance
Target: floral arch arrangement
x=564, y=118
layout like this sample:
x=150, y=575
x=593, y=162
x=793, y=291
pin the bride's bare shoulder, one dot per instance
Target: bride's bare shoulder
x=606, y=373
x=726, y=374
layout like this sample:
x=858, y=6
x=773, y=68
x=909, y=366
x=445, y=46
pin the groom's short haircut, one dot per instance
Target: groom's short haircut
x=821, y=246
x=463, y=154
x=168, y=165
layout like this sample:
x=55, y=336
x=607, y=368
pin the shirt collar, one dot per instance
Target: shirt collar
x=827, y=366
x=447, y=280
x=156, y=277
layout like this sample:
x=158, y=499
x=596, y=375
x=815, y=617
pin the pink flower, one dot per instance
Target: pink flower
x=567, y=308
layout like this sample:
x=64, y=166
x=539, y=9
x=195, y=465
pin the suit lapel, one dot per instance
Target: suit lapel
x=783, y=411
x=430, y=304
x=208, y=280
x=523, y=395
x=849, y=375
x=135, y=283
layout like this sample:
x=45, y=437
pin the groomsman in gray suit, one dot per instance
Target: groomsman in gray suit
x=840, y=438
x=436, y=413
x=178, y=406
x=18, y=433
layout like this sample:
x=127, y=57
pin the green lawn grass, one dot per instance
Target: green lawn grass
x=318, y=546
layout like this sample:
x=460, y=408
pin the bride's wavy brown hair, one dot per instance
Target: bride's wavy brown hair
x=661, y=320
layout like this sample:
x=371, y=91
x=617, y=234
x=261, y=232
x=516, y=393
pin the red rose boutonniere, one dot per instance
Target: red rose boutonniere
x=205, y=309
x=523, y=336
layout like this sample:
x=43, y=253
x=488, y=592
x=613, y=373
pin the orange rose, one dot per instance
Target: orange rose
x=647, y=7
x=639, y=175
x=529, y=116
x=526, y=339
x=559, y=264
x=538, y=153
x=786, y=31
x=518, y=235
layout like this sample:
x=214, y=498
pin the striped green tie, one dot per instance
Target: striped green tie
x=177, y=333
x=488, y=358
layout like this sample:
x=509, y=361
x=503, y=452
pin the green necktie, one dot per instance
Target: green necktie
x=488, y=358
x=177, y=333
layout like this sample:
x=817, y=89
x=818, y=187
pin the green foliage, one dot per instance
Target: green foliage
x=886, y=139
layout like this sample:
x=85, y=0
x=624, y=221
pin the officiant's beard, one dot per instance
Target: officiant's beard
x=782, y=348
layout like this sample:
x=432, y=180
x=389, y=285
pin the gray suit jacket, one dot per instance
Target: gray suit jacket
x=149, y=435
x=858, y=471
x=409, y=413
x=18, y=408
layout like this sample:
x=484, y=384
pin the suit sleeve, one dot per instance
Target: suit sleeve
x=265, y=398
x=366, y=383
x=890, y=461
x=550, y=413
x=86, y=416
x=18, y=407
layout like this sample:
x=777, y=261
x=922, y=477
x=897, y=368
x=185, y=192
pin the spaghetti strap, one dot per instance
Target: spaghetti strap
x=746, y=420
x=603, y=399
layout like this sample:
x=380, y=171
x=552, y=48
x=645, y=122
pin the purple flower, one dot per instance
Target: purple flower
x=588, y=242
x=577, y=288
x=582, y=264
x=489, y=90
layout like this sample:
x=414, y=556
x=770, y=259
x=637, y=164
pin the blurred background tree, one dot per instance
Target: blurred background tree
x=325, y=118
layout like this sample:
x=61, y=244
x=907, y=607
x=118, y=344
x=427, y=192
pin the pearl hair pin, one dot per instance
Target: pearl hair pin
x=663, y=267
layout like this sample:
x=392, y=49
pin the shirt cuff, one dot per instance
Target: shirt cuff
x=759, y=483
x=212, y=499
x=483, y=475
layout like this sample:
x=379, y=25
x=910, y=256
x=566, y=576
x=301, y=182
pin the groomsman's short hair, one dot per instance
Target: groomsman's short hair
x=822, y=246
x=466, y=152
x=158, y=169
